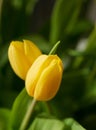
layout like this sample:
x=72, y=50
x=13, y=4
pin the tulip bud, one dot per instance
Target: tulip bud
x=44, y=77
x=22, y=55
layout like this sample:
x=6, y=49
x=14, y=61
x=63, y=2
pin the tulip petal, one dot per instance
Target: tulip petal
x=16, y=58
x=33, y=74
x=18, y=45
x=21, y=56
x=44, y=77
x=48, y=83
x=35, y=71
x=31, y=50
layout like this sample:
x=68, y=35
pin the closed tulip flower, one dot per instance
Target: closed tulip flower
x=22, y=55
x=44, y=77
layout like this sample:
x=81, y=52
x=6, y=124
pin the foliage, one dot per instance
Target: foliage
x=75, y=103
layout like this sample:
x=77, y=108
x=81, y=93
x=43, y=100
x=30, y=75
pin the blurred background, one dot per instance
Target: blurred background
x=45, y=22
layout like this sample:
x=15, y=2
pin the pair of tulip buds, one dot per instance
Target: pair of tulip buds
x=42, y=73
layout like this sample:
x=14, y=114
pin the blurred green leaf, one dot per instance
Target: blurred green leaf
x=90, y=95
x=79, y=27
x=64, y=17
x=71, y=124
x=17, y=3
x=4, y=119
x=19, y=109
x=46, y=124
x=91, y=46
x=30, y=6
x=90, y=51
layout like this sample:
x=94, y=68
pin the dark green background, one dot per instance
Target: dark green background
x=45, y=22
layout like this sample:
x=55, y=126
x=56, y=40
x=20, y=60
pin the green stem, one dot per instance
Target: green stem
x=28, y=115
x=29, y=112
x=53, y=50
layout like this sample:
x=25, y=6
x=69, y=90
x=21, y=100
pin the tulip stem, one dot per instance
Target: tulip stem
x=53, y=50
x=28, y=115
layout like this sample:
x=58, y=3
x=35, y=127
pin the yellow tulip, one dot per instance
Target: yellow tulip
x=22, y=55
x=44, y=77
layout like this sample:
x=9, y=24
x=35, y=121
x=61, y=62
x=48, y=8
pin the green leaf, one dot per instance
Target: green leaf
x=17, y=3
x=50, y=123
x=63, y=18
x=19, y=109
x=90, y=95
x=91, y=46
x=46, y=124
x=71, y=124
x=90, y=49
x=30, y=6
x=4, y=119
x=79, y=27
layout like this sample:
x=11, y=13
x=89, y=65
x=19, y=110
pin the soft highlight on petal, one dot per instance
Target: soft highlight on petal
x=44, y=77
x=33, y=74
x=21, y=56
x=31, y=50
x=49, y=83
